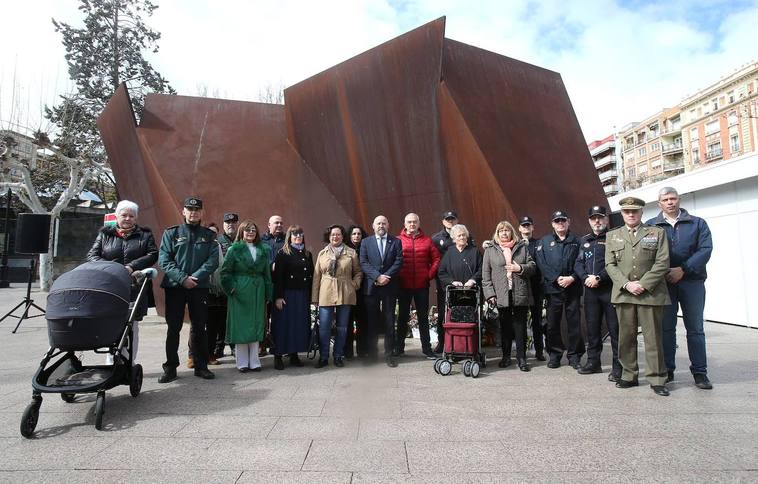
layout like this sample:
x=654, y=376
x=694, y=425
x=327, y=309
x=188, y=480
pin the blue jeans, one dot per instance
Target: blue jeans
x=690, y=295
x=325, y=318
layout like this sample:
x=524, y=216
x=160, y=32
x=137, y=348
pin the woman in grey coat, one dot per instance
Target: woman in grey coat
x=506, y=269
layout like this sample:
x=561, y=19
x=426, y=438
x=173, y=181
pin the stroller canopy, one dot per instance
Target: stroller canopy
x=92, y=290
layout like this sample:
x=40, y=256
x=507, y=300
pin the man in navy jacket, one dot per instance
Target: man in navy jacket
x=381, y=259
x=690, y=249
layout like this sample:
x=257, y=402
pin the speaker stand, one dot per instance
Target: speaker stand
x=27, y=302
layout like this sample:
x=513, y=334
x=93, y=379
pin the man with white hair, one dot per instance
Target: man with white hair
x=690, y=247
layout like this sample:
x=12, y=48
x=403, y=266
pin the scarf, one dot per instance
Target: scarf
x=335, y=253
x=124, y=233
x=298, y=246
x=508, y=254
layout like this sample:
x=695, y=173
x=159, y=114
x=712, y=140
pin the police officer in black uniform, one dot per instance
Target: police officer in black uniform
x=590, y=267
x=556, y=255
x=188, y=255
x=526, y=229
x=225, y=239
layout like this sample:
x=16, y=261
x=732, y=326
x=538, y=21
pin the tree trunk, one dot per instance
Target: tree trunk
x=46, y=260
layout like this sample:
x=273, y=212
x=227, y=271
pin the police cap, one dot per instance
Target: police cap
x=559, y=214
x=450, y=214
x=597, y=210
x=193, y=202
x=231, y=217
x=525, y=220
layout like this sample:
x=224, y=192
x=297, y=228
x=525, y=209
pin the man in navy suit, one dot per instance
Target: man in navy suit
x=381, y=260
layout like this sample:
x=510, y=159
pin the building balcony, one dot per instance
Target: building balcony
x=714, y=154
x=607, y=175
x=671, y=148
x=611, y=189
x=671, y=131
x=673, y=166
x=608, y=145
x=606, y=160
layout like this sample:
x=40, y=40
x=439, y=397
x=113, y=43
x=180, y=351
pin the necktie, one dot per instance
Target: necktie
x=381, y=247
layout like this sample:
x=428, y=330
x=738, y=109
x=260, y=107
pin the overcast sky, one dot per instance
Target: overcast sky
x=621, y=61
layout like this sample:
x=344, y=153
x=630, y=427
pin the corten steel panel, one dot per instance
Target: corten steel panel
x=368, y=128
x=235, y=156
x=474, y=190
x=524, y=124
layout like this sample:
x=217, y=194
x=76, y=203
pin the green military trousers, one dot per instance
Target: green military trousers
x=650, y=318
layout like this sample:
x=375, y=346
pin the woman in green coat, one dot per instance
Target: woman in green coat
x=246, y=279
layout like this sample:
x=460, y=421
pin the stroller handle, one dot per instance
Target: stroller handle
x=149, y=273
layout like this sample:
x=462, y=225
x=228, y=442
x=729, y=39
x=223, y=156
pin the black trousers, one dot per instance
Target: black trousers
x=381, y=312
x=357, y=342
x=215, y=328
x=196, y=301
x=441, y=306
x=597, y=303
x=557, y=304
x=420, y=298
x=513, y=327
x=538, y=330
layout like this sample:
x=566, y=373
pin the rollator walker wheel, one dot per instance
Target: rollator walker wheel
x=445, y=367
x=467, y=368
x=475, y=369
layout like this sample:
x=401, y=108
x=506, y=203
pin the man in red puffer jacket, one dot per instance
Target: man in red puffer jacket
x=420, y=262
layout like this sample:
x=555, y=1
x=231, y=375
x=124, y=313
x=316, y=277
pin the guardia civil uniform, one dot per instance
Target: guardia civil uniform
x=639, y=254
x=187, y=250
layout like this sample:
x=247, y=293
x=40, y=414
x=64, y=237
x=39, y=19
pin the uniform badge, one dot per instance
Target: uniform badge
x=552, y=243
x=442, y=242
x=586, y=244
x=539, y=247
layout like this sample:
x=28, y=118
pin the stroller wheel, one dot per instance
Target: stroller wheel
x=467, y=368
x=30, y=417
x=99, y=410
x=474, y=369
x=68, y=397
x=437, y=365
x=135, y=381
x=445, y=367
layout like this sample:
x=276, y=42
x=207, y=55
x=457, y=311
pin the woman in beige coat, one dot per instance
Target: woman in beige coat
x=336, y=279
x=506, y=269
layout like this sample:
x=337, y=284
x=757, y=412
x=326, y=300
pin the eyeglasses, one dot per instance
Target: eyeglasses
x=297, y=234
x=560, y=221
x=249, y=229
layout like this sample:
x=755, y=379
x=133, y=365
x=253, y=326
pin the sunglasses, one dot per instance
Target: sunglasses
x=560, y=221
x=249, y=229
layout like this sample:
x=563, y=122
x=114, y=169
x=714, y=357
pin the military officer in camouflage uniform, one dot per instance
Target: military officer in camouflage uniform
x=188, y=255
x=637, y=259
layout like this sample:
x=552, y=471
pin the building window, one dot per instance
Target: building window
x=630, y=172
x=730, y=95
x=715, y=104
x=694, y=133
x=643, y=150
x=734, y=143
x=655, y=165
x=714, y=150
x=655, y=147
x=654, y=131
x=712, y=127
x=695, y=155
x=732, y=118
x=642, y=169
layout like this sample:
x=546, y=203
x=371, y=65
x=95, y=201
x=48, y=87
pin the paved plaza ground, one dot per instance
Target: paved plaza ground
x=377, y=424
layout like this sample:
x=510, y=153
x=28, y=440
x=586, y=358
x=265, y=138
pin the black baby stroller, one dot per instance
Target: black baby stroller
x=88, y=309
x=463, y=332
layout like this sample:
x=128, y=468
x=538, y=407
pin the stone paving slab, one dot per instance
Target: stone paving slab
x=376, y=424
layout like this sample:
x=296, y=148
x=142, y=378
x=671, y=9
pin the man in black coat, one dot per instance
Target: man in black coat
x=590, y=268
x=526, y=229
x=381, y=259
x=556, y=255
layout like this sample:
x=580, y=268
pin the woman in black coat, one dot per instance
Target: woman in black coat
x=131, y=245
x=357, y=330
x=293, y=279
x=461, y=265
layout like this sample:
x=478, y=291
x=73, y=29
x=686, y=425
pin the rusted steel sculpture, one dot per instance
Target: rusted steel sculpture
x=420, y=123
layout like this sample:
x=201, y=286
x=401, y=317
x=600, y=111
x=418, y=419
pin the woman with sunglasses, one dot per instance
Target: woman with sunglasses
x=293, y=278
x=246, y=279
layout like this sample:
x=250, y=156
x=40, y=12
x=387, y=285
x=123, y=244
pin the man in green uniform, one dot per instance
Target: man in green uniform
x=637, y=259
x=188, y=255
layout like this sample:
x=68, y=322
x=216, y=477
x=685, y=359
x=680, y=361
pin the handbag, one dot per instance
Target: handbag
x=313, y=345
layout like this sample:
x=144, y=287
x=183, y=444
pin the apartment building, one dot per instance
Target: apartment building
x=653, y=149
x=721, y=121
x=606, y=162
